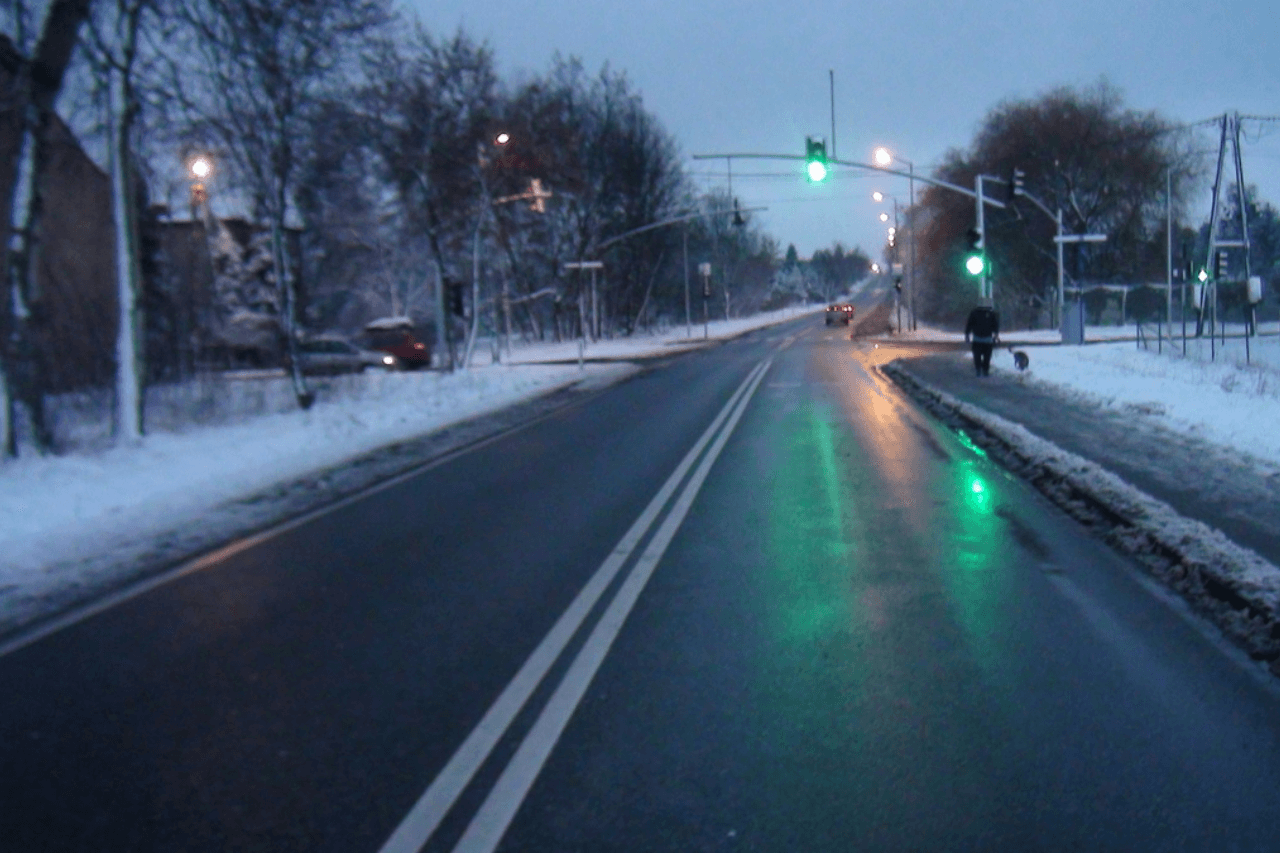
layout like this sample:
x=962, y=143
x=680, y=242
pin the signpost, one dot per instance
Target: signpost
x=582, y=312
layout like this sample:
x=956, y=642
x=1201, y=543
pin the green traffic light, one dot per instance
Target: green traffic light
x=975, y=265
x=817, y=171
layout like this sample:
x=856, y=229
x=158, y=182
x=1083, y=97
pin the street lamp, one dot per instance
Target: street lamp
x=883, y=157
x=200, y=168
x=884, y=217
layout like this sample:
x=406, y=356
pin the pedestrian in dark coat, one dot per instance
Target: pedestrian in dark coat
x=984, y=328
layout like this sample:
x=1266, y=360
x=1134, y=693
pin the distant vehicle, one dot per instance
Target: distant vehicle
x=841, y=312
x=398, y=337
x=334, y=355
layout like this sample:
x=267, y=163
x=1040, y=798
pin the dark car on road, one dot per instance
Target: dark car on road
x=841, y=312
x=334, y=355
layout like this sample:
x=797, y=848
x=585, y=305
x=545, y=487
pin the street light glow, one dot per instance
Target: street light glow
x=884, y=217
x=502, y=139
x=201, y=167
x=877, y=196
x=883, y=157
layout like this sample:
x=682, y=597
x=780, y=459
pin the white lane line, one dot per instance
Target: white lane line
x=490, y=823
x=425, y=816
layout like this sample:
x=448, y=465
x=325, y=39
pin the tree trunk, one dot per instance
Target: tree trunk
x=37, y=87
x=288, y=298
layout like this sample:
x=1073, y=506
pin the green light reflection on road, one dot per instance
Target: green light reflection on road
x=968, y=442
x=810, y=540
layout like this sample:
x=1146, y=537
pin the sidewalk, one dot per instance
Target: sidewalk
x=1235, y=493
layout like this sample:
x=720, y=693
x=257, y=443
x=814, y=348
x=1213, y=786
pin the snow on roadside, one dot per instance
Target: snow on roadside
x=1189, y=555
x=51, y=508
x=62, y=511
x=1224, y=401
x=1233, y=405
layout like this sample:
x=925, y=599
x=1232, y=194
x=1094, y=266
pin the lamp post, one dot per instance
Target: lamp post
x=883, y=157
x=486, y=202
x=200, y=168
x=894, y=267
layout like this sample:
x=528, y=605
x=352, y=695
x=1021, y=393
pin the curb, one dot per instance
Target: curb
x=1236, y=588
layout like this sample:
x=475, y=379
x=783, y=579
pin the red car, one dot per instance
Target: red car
x=397, y=335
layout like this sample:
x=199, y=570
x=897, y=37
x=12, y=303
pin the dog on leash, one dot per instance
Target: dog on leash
x=1020, y=359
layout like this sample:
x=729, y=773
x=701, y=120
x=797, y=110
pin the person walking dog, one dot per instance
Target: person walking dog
x=984, y=328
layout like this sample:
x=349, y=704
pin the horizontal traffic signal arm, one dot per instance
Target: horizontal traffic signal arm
x=870, y=166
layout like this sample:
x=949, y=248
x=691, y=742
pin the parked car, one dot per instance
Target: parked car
x=841, y=312
x=398, y=337
x=334, y=355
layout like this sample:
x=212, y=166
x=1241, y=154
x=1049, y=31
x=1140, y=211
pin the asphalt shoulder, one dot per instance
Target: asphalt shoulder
x=1222, y=487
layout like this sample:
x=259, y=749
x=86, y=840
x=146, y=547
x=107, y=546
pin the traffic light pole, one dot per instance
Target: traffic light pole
x=982, y=236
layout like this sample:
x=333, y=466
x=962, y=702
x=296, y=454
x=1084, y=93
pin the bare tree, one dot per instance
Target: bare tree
x=1082, y=151
x=432, y=104
x=263, y=67
x=37, y=74
x=113, y=51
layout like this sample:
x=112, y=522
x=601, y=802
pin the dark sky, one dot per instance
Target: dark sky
x=914, y=75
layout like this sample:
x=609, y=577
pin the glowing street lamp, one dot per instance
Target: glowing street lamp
x=200, y=167
x=884, y=217
x=877, y=196
x=502, y=139
x=883, y=157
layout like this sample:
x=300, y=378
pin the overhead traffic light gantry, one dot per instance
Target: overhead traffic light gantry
x=815, y=155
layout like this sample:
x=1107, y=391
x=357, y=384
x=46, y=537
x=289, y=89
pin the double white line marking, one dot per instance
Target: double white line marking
x=499, y=808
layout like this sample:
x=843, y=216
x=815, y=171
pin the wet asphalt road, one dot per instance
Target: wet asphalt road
x=858, y=634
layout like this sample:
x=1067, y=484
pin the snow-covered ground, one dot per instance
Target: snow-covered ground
x=225, y=439
x=1223, y=400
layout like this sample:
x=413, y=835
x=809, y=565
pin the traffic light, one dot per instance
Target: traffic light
x=1017, y=184
x=1220, y=264
x=815, y=155
x=976, y=261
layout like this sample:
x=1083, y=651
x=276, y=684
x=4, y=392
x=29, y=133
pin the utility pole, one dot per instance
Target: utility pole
x=911, y=220
x=982, y=232
x=705, y=270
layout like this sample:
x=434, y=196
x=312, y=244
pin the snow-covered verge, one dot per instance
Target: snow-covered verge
x=1223, y=400
x=1234, y=586
x=232, y=455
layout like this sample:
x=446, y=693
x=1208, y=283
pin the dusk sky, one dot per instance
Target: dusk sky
x=916, y=76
